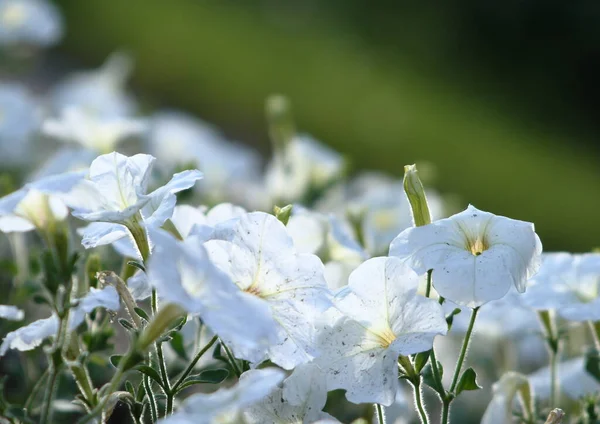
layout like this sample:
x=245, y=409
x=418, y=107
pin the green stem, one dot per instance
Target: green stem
x=445, y=410
x=35, y=390
x=232, y=360
x=46, y=416
x=419, y=401
x=151, y=398
x=595, y=330
x=429, y=284
x=463, y=350
x=380, y=414
x=193, y=363
x=166, y=386
x=554, y=393
x=553, y=345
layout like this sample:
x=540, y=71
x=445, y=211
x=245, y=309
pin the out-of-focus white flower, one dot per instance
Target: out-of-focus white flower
x=99, y=92
x=569, y=284
x=225, y=405
x=182, y=273
x=383, y=317
x=476, y=256
x=32, y=335
x=96, y=133
x=37, y=204
x=177, y=140
x=303, y=165
x=574, y=381
x=29, y=22
x=261, y=258
x=330, y=238
x=379, y=204
x=500, y=409
x=20, y=118
x=11, y=312
x=115, y=192
x=300, y=400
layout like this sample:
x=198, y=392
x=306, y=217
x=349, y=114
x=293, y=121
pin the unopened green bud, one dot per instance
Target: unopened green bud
x=111, y=279
x=280, y=120
x=159, y=324
x=416, y=196
x=283, y=214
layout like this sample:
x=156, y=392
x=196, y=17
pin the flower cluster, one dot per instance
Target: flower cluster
x=261, y=293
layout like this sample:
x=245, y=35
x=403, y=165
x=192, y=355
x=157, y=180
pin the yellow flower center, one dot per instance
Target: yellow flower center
x=385, y=337
x=253, y=289
x=13, y=15
x=477, y=246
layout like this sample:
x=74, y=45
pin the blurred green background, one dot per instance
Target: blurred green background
x=502, y=97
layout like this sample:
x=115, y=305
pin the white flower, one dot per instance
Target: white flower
x=569, y=284
x=99, y=92
x=260, y=257
x=476, y=256
x=115, y=192
x=29, y=22
x=11, y=312
x=383, y=317
x=32, y=335
x=182, y=273
x=574, y=381
x=224, y=406
x=19, y=119
x=177, y=139
x=304, y=165
x=92, y=132
x=500, y=409
x=37, y=204
x=300, y=400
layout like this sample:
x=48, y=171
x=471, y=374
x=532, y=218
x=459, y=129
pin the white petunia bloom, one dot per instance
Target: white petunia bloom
x=37, y=205
x=382, y=317
x=20, y=118
x=568, y=283
x=500, y=409
x=574, y=381
x=29, y=22
x=98, y=134
x=182, y=273
x=32, y=335
x=300, y=400
x=476, y=256
x=115, y=194
x=261, y=258
x=177, y=140
x=11, y=312
x=225, y=405
x=99, y=92
x=304, y=165
x=331, y=239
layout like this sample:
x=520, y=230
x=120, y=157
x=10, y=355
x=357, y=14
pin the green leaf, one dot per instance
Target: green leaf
x=115, y=359
x=141, y=392
x=468, y=381
x=430, y=380
x=215, y=376
x=126, y=324
x=150, y=372
x=129, y=387
x=177, y=345
x=592, y=364
x=450, y=317
x=142, y=314
x=421, y=360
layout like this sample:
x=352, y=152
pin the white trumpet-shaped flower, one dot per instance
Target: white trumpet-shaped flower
x=261, y=259
x=116, y=191
x=226, y=405
x=569, y=284
x=500, y=409
x=11, y=312
x=382, y=317
x=37, y=204
x=32, y=335
x=98, y=134
x=182, y=273
x=476, y=256
x=29, y=22
x=300, y=400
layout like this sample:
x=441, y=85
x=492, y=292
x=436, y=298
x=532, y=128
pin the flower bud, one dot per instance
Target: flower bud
x=283, y=214
x=280, y=121
x=159, y=324
x=416, y=196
